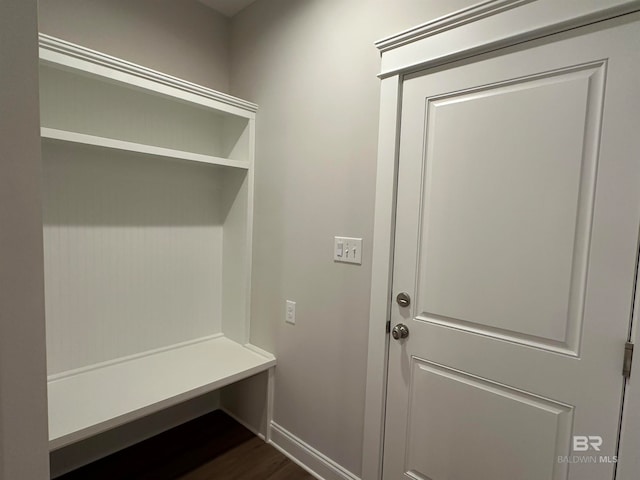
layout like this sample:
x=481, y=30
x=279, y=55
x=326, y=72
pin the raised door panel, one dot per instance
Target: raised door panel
x=463, y=426
x=508, y=188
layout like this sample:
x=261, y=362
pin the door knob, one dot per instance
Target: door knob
x=403, y=299
x=400, y=331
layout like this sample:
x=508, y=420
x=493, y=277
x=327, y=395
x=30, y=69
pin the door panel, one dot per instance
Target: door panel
x=516, y=237
x=445, y=402
x=499, y=200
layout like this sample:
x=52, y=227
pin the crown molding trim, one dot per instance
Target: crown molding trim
x=487, y=26
x=448, y=22
x=56, y=45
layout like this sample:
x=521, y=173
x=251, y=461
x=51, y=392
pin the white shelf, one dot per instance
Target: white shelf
x=81, y=138
x=94, y=399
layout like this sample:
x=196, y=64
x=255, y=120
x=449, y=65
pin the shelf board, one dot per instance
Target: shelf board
x=81, y=138
x=95, y=399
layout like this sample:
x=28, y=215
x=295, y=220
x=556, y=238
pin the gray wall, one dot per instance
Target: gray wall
x=179, y=37
x=311, y=66
x=23, y=407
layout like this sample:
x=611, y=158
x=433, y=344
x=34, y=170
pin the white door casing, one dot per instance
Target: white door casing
x=516, y=238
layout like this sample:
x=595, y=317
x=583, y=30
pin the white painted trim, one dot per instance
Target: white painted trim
x=490, y=25
x=249, y=234
x=50, y=45
x=447, y=22
x=103, y=142
x=303, y=454
x=481, y=28
x=271, y=388
x=382, y=263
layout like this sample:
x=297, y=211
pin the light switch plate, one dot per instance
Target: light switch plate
x=347, y=250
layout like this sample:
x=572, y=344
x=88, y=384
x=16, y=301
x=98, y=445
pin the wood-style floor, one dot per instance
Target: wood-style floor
x=212, y=447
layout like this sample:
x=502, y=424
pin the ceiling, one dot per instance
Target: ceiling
x=227, y=7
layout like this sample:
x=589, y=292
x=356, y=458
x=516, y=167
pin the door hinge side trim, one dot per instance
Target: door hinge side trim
x=628, y=359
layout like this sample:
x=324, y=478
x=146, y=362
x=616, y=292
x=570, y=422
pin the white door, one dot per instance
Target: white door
x=517, y=234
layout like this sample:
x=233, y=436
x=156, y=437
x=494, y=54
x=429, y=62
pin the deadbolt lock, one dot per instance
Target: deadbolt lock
x=403, y=299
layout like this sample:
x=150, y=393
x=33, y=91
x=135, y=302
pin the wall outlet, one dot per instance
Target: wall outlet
x=347, y=250
x=290, y=314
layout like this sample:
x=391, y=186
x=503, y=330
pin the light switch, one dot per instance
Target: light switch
x=348, y=250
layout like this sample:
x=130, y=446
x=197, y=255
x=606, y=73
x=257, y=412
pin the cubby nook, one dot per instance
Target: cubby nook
x=147, y=217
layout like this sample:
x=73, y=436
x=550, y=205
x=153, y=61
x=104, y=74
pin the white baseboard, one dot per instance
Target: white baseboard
x=314, y=462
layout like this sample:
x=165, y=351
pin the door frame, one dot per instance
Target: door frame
x=481, y=28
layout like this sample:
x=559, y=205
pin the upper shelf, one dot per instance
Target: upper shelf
x=91, y=98
x=73, y=137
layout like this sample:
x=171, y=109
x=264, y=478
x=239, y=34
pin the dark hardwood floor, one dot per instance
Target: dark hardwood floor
x=212, y=447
